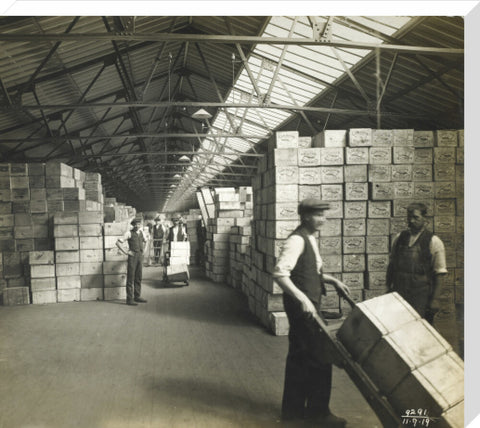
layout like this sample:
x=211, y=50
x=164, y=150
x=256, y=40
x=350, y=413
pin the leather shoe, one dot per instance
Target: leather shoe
x=140, y=300
x=131, y=303
x=331, y=421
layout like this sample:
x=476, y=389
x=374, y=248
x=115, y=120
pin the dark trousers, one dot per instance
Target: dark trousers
x=134, y=276
x=308, y=373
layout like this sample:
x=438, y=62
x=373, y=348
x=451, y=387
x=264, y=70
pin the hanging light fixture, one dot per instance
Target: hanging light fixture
x=177, y=176
x=184, y=158
x=201, y=114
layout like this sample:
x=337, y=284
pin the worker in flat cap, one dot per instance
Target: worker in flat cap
x=177, y=231
x=159, y=239
x=136, y=243
x=308, y=372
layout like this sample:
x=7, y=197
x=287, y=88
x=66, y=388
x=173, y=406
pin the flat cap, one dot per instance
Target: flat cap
x=135, y=221
x=312, y=204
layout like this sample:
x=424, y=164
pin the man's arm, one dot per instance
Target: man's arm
x=339, y=285
x=119, y=245
x=292, y=249
x=439, y=267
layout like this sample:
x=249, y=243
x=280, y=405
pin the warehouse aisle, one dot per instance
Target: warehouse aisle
x=191, y=357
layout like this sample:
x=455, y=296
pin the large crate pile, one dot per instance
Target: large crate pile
x=51, y=234
x=369, y=177
x=229, y=211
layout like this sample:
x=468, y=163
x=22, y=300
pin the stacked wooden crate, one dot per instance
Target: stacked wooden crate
x=115, y=272
x=239, y=240
x=42, y=277
x=227, y=209
x=369, y=177
x=67, y=256
x=117, y=211
x=409, y=361
x=192, y=224
x=91, y=254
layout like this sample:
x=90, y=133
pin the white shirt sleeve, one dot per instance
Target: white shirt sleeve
x=292, y=249
x=127, y=235
x=438, y=255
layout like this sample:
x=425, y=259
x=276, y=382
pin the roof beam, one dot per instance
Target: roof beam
x=226, y=39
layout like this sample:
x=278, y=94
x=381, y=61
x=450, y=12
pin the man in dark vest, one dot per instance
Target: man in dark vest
x=136, y=243
x=308, y=372
x=177, y=232
x=417, y=264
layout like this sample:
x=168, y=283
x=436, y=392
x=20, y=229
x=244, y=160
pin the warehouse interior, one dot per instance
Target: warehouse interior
x=228, y=122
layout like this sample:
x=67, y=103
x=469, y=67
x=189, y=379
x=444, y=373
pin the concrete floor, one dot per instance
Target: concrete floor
x=191, y=357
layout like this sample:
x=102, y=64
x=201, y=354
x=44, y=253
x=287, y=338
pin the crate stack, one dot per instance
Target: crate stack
x=369, y=177
x=239, y=240
x=193, y=223
x=43, y=287
x=90, y=226
x=67, y=256
x=115, y=264
x=116, y=211
x=94, y=191
x=227, y=209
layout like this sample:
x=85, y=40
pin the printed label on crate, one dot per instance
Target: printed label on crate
x=354, y=263
x=355, y=173
x=358, y=137
x=355, y=209
x=353, y=244
x=306, y=191
x=444, y=224
x=357, y=155
x=376, y=280
x=380, y=155
x=380, y=173
x=331, y=174
x=382, y=137
x=304, y=142
x=403, y=155
x=310, y=175
x=332, y=192
x=445, y=189
x=444, y=207
x=401, y=172
x=286, y=139
x=403, y=190
x=378, y=226
x=423, y=190
x=447, y=138
x=444, y=154
x=309, y=157
x=382, y=191
x=377, y=244
x=444, y=172
x=330, y=245
x=356, y=191
x=422, y=172
x=423, y=155
x=379, y=209
x=354, y=280
x=331, y=156
x=378, y=262
x=423, y=138
x=403, y=137
x=354, y=227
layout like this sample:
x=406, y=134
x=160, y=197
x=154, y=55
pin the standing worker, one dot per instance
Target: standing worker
x=177, y=232
x=136, y=243
x=417, y=264
x=308, y=372
x=158, y=240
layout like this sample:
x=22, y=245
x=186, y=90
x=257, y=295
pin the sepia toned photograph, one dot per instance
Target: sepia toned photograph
x=232, y=220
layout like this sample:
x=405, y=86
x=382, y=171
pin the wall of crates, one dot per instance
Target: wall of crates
x=233, y=208
x=53, y=237
x=369, y=177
